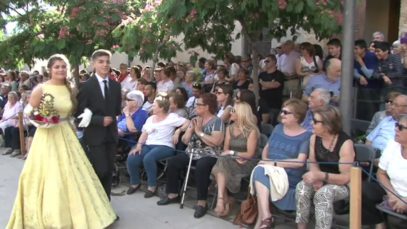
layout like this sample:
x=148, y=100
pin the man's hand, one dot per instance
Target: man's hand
x=107, y=120
x=85, y=116
x=362, y=81
x=387, y=80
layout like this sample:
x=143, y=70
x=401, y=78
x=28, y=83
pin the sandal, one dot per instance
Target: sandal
x=267, y=223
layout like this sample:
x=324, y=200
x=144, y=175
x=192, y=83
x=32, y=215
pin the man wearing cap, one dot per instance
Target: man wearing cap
x=130, y=123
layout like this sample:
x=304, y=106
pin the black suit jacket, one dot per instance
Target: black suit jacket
x=90, y=96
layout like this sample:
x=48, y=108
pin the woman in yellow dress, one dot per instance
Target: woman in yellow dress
x=58, y=187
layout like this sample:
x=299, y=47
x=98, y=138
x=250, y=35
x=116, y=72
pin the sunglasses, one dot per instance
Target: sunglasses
x=285, y=112
x=316, y=121
x=400, y=127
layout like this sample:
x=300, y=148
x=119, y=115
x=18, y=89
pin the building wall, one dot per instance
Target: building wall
x=377, y=18
x=403, y=17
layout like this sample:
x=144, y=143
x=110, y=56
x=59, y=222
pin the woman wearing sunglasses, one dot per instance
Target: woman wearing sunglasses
x=285, y=153
x=240, y=145
x=391, y=174
x=325, y=183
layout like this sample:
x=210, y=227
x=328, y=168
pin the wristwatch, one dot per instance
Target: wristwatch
x=201, y=134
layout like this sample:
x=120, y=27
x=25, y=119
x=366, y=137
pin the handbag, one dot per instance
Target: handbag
x=248, y=211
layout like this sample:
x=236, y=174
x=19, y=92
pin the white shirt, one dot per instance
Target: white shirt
x=129, y=84
x=286, y=63
x=102, y=84
x=395, y=166
x=165, y=86
x=147, y=106
x=191, y=102
x=160, y=133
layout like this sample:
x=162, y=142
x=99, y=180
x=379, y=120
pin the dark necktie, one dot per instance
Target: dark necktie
x=106, y=89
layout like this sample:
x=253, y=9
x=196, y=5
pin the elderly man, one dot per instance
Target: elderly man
x=319, y=98
x=330, y=81
x=385, y=131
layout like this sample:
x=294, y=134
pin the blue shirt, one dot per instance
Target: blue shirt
x=322, y=81
x=139, y=118
x=383, y=133
x=282, y=146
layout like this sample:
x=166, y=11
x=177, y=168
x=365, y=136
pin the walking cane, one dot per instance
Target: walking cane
x=186, y=179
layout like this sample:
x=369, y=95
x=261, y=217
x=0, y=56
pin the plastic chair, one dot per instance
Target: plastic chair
x=385, y=208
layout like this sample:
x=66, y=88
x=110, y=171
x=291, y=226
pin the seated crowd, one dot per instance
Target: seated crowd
x=209, y=115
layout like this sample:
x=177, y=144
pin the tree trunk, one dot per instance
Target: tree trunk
x=75, y=74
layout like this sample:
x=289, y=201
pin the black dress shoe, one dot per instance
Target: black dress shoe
x=167, y=200
x=132, y=189
x=117, y=218
x=200, y=211
x=149, y=193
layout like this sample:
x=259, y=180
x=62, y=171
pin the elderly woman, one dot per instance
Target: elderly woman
x=241, y=143
x=204, y=134
x=155, y=143
x=9, y=125
x=286, y=150
x=131, y=122
x=224, y=96
x=11, y=109
x=391, y=174
x=325, y=183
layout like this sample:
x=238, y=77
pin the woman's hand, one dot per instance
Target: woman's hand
x=312, y=177
x=135, y=150
x=226, y=153
x=317, y=185
x=197, y=123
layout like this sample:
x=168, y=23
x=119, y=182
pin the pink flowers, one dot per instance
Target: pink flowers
x=45, y=120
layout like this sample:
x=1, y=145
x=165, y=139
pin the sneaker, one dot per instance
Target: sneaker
x=15, y=153
x=7, y=151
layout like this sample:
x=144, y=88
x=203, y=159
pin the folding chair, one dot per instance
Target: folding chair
x=365, y=153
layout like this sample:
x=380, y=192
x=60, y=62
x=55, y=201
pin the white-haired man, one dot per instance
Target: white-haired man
x=319, y=98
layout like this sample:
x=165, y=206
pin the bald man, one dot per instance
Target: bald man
x=331, y=80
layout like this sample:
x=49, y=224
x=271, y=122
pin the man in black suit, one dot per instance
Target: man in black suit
x=99, y=102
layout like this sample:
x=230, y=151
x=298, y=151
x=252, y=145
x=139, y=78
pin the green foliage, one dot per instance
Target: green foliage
x=75, y=28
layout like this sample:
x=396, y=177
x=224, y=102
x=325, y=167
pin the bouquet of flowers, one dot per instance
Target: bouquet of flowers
x=44, y=115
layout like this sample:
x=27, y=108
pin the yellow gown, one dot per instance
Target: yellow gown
x=58, y=187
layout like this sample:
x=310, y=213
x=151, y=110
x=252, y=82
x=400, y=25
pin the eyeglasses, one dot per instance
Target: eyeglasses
x=400, y=127
x=129, y=100
x=285, y=112
x=316, y=121
x=200, y=104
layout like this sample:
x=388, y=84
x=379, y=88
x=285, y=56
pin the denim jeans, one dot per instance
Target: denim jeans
x=149, y=156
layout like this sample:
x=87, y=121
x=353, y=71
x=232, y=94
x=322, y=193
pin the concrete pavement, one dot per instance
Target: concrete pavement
x=134, y=210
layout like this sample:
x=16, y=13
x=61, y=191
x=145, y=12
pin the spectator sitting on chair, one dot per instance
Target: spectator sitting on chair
x=150, y=91
x=10, y=119
x=380, y=115
x=205, y=134
x=224, y=95
x=289, y=141
x=391, y=174
x=319, y=98
x=324, y=184
x=177, y=104
x=385, y=132
x=155, y=143
x=130, y=123
x=241, y=146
